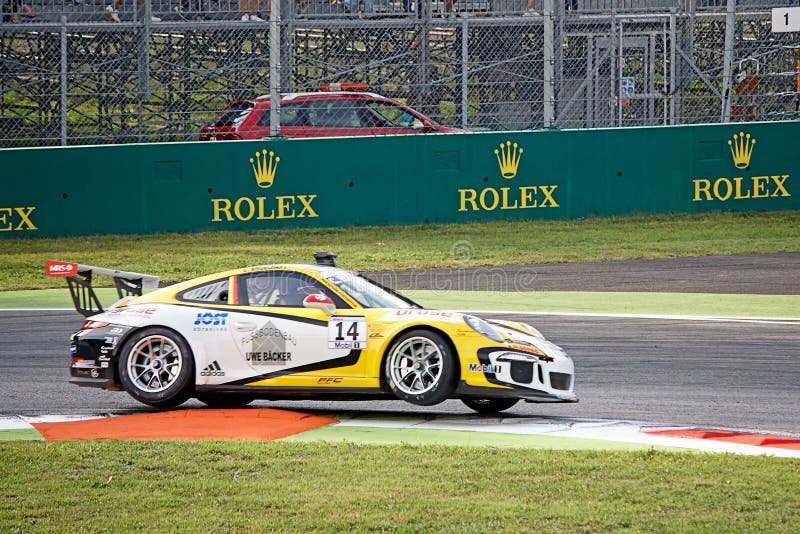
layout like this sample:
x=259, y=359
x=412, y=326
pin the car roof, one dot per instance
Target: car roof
x=324, y=94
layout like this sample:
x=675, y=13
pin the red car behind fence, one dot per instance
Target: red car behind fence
x=320, y=114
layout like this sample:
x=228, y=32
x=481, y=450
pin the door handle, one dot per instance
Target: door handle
x=243, y=326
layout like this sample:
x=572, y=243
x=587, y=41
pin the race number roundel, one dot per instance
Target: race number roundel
x=347, y=333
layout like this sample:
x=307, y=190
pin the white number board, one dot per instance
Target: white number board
x=785, y=19
x=347, y=333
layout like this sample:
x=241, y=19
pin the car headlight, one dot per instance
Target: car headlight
x=483, y=328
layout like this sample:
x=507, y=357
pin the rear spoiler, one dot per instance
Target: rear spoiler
x=79, y=280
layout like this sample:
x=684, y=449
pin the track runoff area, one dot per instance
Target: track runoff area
x=529, y=427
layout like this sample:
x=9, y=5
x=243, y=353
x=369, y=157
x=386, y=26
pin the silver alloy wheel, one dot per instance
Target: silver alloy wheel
x=154, y=363
x=416, y=365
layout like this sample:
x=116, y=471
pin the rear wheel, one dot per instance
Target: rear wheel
x=490, y=405
x=421, y=368
x=219, y=400
x=156, y=367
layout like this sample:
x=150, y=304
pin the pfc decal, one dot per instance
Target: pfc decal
x=330, y=380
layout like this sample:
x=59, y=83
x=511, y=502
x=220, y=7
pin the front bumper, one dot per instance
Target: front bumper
x=535, y=378
x=92, y=354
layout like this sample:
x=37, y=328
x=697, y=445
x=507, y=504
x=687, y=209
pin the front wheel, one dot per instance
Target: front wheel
x=156, y=367
x=421, y=368
x=489, y=405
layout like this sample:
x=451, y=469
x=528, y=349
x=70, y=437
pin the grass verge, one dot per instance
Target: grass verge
x=325, y=487
x=694, y=304
x=176, y=257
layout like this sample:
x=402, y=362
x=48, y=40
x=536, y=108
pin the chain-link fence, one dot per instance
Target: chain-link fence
x=93, y=71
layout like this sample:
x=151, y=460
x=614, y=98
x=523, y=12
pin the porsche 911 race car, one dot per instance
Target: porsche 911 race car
x=302, y=332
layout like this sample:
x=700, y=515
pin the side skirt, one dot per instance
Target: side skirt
x=295, y=393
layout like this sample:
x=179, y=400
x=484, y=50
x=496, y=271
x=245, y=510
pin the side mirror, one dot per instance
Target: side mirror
x=320, y=301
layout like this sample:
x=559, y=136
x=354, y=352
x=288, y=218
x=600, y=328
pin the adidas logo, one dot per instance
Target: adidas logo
x=213, y=369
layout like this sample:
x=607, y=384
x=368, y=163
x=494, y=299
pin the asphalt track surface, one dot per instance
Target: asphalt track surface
x=742, y=375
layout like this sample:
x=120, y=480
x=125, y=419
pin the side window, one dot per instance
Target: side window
x=213, y=292
x=292, y=114
x=337, y=113
x=281, y=288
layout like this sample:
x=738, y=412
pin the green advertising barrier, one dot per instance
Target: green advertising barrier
x=280, y=183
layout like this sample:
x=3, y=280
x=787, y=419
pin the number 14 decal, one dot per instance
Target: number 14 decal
x=347, y=333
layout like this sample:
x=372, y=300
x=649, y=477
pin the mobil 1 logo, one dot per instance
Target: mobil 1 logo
x=347, y=333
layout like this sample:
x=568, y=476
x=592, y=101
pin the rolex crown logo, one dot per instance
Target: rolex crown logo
x=264, y=169
x=508, y=157
x=741, y=150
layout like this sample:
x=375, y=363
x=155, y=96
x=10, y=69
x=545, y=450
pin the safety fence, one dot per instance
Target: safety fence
x=73, y=75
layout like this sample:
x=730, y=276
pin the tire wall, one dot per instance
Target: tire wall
x=447, y=178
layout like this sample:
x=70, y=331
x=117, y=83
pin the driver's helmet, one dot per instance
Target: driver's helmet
x=259, y=289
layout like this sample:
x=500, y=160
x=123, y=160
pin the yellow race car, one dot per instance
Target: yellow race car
x=303, y=332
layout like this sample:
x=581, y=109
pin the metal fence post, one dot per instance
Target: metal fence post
x=464, y=71
x=548, y=90
x=63, y=80
x=673, y=57
x=730, y=28
x=274, y=68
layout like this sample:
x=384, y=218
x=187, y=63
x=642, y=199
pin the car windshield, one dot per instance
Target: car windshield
x=368, y=293
x=233, y=115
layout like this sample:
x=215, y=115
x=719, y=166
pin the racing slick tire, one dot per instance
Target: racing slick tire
x=489, y=405
x=156, y=367
x=421, y=368
x=219, y=400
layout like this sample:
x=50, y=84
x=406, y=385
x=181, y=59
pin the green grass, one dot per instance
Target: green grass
x=698, y=304
x=542, y=301
x=324, y=487
x=176, y=257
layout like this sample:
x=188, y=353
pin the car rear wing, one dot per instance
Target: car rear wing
x=79, y=280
